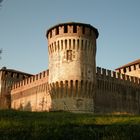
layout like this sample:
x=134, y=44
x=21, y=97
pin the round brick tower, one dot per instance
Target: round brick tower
x=72, y=66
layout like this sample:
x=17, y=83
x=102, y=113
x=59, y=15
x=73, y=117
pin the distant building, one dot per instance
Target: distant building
x=132, y=69
x=7, y=78
x=73, y=82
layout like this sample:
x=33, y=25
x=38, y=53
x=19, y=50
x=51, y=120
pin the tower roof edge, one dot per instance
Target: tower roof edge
x=74, y=23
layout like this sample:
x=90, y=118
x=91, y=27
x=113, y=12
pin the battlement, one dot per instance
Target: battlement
x=71, y=28
x=10, y=74
x=35, y=79
x=71, y=36
x=129, y=68
x=108, y=74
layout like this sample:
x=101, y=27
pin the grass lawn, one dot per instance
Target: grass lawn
x=15, y=125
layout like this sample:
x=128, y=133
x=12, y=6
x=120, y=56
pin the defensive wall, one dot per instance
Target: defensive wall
x=32, y=93
x=116, y=93
x=35, y=94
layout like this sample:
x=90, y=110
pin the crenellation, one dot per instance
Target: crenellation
x=112, y=75
x=109, y=73
x=103, y=72
x=31, y=80
x=137, y=66
x=132, y=67
x=129, y=69
x=118, y=75
x=98, y=70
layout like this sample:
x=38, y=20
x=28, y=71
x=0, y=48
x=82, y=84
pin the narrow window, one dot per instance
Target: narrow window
x=134, y=67
x=73, y=43
x=70, y=43
x=74, y=29
x=61, y=44
x=55, y=45
x=65, y=44
x=86, y=45
x=57, y=30
x=52, y=47
x=65, y=28
x=69, y=55
x=58, y=45
x=77, y=44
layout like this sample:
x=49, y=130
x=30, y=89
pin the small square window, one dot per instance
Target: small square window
x=69, y=55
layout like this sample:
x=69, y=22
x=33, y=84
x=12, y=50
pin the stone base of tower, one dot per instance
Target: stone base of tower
x=81, y=105
x=72, y=96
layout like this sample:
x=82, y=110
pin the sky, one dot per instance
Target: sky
x=23, y=26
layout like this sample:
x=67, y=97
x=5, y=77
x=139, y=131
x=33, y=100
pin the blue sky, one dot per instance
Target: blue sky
x=23, y=25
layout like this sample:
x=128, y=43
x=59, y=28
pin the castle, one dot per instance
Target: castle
x=73, y=82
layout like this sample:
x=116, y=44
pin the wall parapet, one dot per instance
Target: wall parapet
x=31, y=80
x=7, y=73
x=72, y=28
x=112, y=75
x=129, y=68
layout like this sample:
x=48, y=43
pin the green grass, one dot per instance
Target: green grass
x=69, y=126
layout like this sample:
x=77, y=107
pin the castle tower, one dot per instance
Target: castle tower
x=72, y=66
